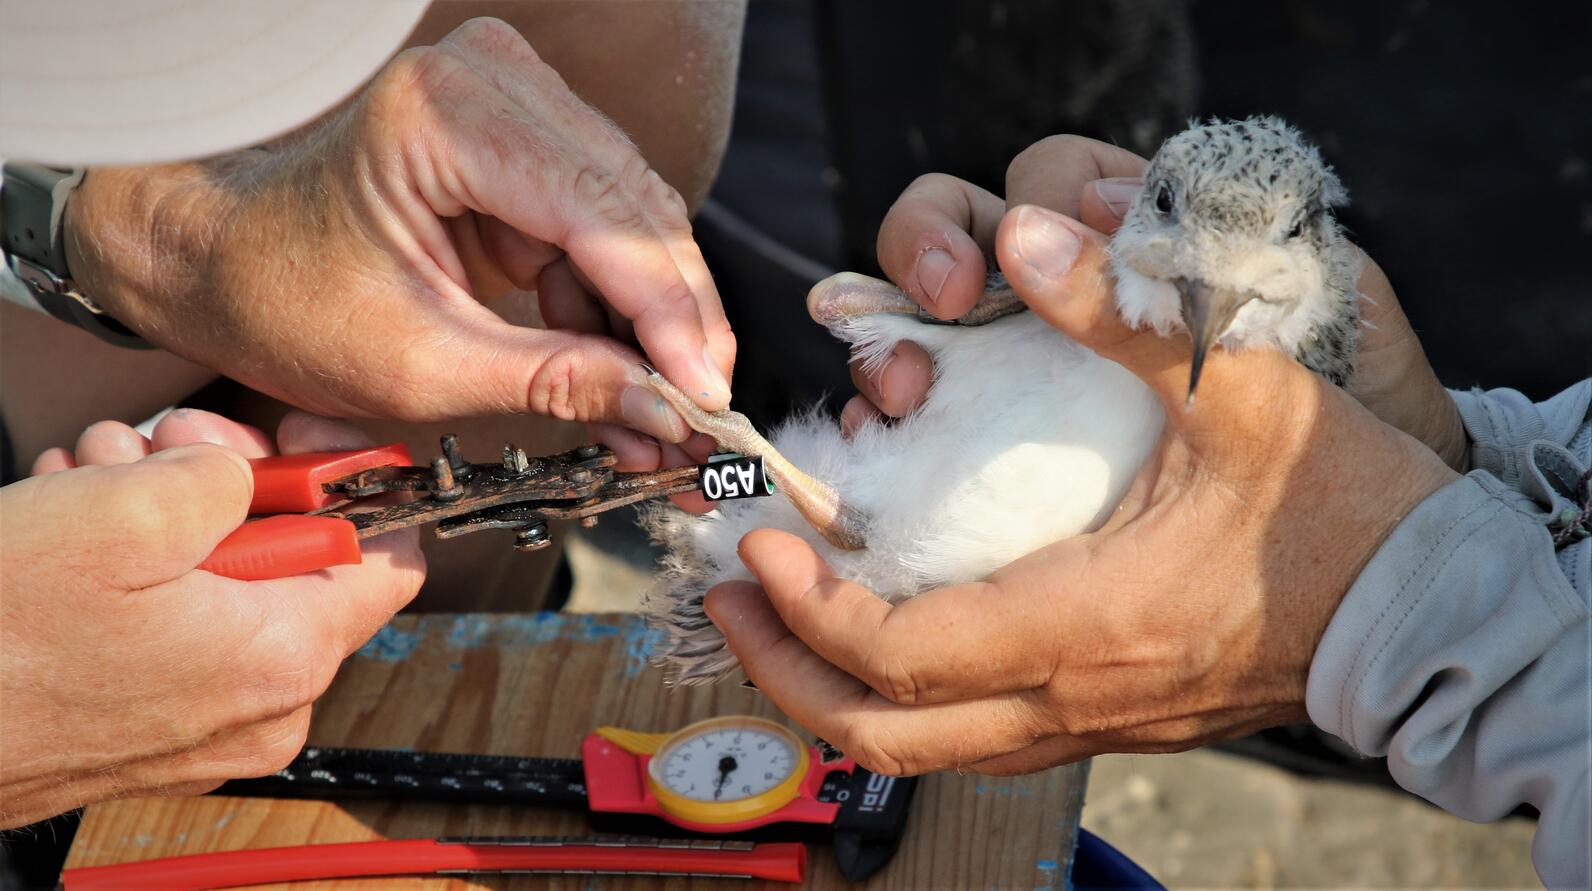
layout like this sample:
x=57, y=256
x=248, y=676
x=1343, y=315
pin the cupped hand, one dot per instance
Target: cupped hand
x=128, y=672
x=934, y=241
x=345, y=269
x=1192, y=615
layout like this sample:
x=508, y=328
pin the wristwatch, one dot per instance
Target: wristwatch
x=32, y=236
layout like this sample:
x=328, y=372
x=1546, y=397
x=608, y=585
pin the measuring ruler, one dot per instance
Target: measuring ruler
x=735, y=777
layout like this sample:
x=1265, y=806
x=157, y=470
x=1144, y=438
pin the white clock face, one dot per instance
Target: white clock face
x=725, y=764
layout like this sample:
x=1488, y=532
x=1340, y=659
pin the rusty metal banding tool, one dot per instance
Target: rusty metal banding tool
x=326, y=502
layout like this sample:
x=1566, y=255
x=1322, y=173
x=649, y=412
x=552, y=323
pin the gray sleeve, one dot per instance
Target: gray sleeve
x=1463, y=653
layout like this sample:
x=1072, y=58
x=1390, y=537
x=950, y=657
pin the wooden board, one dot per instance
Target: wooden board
x=536, y=684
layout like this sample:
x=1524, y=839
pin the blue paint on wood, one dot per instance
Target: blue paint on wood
x=390, y=645
x=640, y=643
x=517, y=631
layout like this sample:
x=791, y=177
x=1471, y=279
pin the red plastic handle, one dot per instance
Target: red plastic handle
x=277, y=547
x=778, y=862
x=288, y=484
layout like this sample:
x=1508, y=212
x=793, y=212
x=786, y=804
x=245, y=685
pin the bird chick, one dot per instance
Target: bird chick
x=1026, y=437
x=1233, y=240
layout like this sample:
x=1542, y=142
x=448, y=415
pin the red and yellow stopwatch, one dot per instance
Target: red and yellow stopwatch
x=721, y=775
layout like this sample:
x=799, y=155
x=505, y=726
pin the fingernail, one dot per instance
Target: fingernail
x=1118, y=193
x=1045, y=242
x=933, y=270
x=718, y=386
x=644, y=410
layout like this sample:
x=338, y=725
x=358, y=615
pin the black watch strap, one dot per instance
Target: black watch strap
x=32, y=232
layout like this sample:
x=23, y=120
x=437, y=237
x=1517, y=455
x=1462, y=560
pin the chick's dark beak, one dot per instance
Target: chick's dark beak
x=1207, y=312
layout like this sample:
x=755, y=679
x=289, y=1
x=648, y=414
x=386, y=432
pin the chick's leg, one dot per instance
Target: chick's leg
x=839, y=524
x=846, y=296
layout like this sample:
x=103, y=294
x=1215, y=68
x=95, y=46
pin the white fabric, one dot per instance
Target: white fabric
x=100, y=82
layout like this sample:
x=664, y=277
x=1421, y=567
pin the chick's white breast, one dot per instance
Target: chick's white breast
x=1026, y=439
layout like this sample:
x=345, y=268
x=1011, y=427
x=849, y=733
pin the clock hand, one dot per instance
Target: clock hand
x=727, y=766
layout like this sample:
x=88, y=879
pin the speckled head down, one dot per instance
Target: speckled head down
x=1244, y=208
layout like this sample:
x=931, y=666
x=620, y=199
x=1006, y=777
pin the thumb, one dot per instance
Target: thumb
x=1062, y=270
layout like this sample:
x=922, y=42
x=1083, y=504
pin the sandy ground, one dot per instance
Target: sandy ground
x=1205, y=819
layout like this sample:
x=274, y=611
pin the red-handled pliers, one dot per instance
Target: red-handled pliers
x=297, y=540
x=322, y=507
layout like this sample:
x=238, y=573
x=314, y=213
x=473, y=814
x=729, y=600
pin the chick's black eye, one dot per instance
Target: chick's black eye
x=1163, y=200
x=1304, y=222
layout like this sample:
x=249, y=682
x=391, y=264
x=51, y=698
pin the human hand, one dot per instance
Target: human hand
x=933, y=242
x=127, y=672
x=1191, y=616
x=345, y=269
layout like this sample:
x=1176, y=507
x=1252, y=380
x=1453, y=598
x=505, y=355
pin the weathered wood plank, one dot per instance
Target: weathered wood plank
x=536, y=684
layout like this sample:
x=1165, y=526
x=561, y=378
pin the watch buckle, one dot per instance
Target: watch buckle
x=42, y=279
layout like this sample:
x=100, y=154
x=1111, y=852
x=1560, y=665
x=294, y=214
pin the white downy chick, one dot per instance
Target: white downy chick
x=1026, y=437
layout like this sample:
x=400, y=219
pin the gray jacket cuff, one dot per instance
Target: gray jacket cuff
x=1503, y=424
x=1461, y=654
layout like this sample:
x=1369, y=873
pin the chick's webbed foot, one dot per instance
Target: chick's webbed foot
x=846, y=296
x=819, y=504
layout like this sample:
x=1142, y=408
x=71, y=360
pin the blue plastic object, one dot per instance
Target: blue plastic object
x=1097, y=865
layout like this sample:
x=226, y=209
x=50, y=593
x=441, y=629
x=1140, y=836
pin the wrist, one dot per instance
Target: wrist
x=1451, y=442
x=139, y=240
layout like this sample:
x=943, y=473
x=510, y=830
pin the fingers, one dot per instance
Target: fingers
x=859, y=410
x=899, y=650
x=633, y=451
x=933, y=241
x=52, y=460
x=565, y=303
x=642, y=259
x=110, y=442
x=900, y=383
x=344, y=605
x=1041, y=755
x=883, y=736
x=185, y=426
x=302, y=432
x=333, y=612
x=591, y=193
x=140, y=524
x=1393, y=378
x=1061, y=269
x=522, y=261
x=1054, y=172
x=1105, y=202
